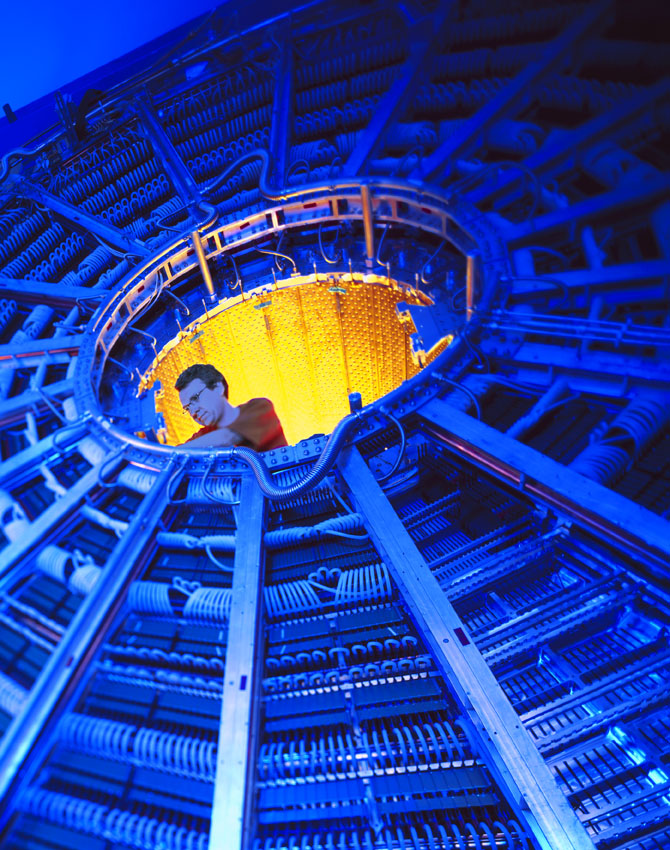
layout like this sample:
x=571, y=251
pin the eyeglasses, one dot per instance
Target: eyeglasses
x=193, y=399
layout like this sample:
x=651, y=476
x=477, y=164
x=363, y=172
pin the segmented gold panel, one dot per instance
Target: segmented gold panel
x=305, y=344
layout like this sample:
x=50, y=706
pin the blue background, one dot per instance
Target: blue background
x=46, y=45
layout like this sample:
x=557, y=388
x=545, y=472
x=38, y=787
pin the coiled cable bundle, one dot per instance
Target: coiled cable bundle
x=335, y=525
x=638, y=423
x=209, y=605
x=428, y=745
x=56, y=562
x=8, y=220
x=134, y=478
x=174, y=753
x=12, y=695
x=118, y=825
x=93, y=263
x=7, y=311
x=292, y=597
x=194, y=602
x=72, y=568
x=35, y=252
x=600, y=461
x=317, y=152
x=223, y=489
x=20, y=234
x=150, y=597
x=371, y=583
x=445, y=835
x=98, y=736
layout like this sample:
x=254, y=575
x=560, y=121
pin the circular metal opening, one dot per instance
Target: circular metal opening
x=303, y=304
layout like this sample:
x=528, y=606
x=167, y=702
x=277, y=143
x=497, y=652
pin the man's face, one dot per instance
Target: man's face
x=207, y=405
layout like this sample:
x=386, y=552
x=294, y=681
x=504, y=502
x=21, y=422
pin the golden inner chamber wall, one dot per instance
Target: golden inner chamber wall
x=305, y=344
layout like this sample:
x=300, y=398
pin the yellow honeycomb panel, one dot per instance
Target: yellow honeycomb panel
x=305, y=344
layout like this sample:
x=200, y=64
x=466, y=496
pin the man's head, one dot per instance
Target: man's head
x=203, y=392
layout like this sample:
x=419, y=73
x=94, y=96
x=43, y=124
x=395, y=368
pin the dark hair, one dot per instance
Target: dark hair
x=207, y=373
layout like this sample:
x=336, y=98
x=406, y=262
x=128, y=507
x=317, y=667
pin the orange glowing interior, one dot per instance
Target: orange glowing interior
x=305, y=344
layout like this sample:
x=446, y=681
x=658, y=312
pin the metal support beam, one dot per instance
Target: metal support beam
x=537, y=411
x=53, y=294
x=202, y=262
x=509, y=750
x=423, y=42
x=15, y=469
x=29, y=737
x=513, y=95
x=603, y=277
x=562, y=328
x=34, y=361
x=282, y=109
x=14, y=409
x=607, y=203
x=562, y=152
x=571, y=361
x=591, y=505
x=236, y=762
x=181, y=177
x=15, y=351
x=78, y=215
x=470, y=283
x=368, y=225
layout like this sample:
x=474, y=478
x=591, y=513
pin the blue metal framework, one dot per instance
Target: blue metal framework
x=446, y=627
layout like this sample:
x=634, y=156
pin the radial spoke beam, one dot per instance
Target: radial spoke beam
x=53, y=294
x=591, y=505
x=77, y=215
x=424, y=41
x=513, y=95
x=282, y=109
x=181, y=177
x=563, y=151
x=572, y=361
x=14, y=352
x=30, y=735
x=509, y=751
x=236, y=759
x=562, y=328
x=14, y=409
x=605, y=277
x=607, y=203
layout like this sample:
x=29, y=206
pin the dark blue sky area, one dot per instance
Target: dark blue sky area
x=46, y=45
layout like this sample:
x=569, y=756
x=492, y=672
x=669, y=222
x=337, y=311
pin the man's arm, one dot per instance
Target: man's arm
x=220, y=437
